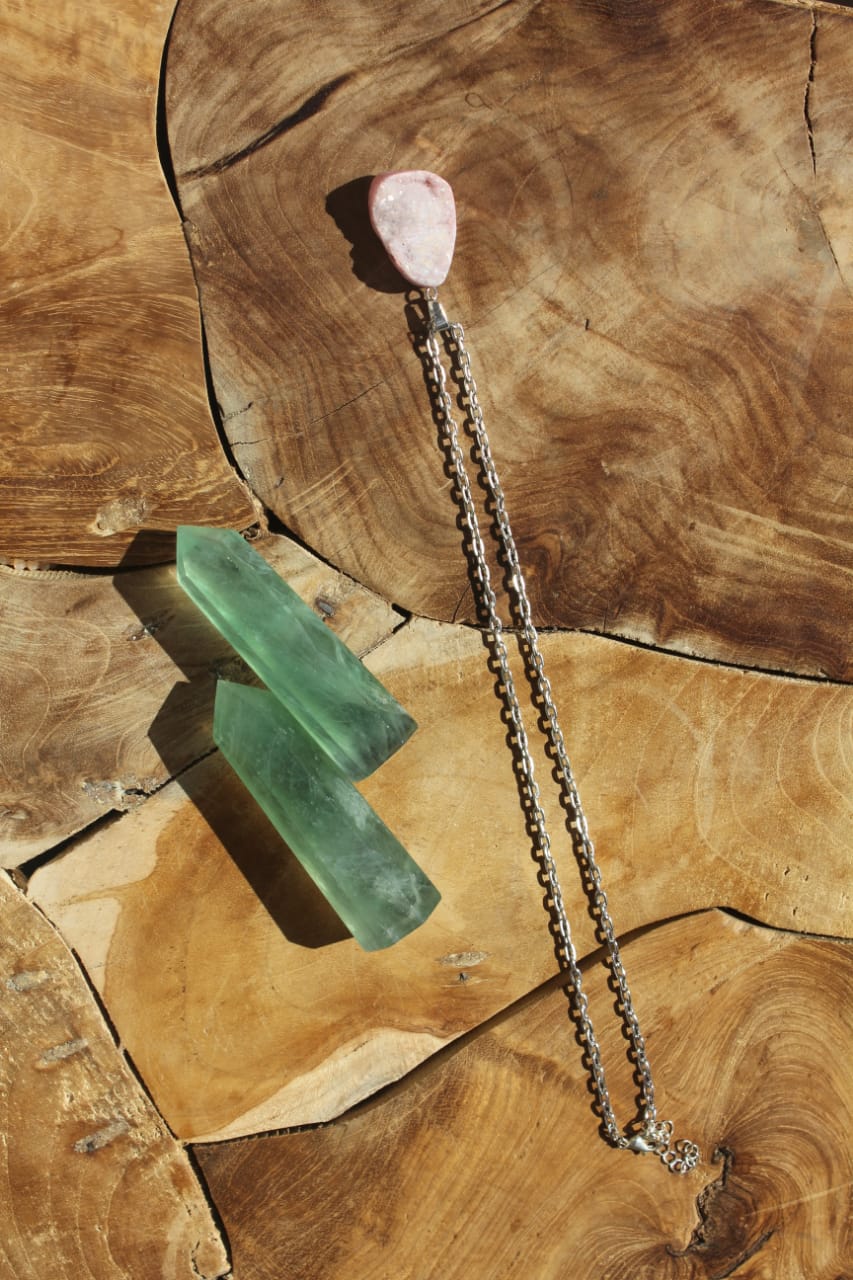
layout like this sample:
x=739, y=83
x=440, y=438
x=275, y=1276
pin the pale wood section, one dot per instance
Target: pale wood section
x=106, y=426
x=832, y=139
x=130, y=703
x=92, y=1184
x=652, y=266
x=703, y=786
x=819, y=6
x=487, y=1163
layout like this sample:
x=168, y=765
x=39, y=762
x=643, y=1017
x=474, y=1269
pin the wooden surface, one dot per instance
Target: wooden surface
x=92, y=1184
x=654, y=270
x=106, y=428
x=131, y=702
x=486, y=1162
x=653, y=266
x=703, y=787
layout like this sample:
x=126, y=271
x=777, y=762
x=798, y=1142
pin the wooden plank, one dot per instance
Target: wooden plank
x=702, y=786
x=486, y=1162
x=130, y=704
x=106, y=426
x=91, y=1181
x=651, y=266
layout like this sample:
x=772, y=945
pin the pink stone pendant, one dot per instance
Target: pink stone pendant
x=414, y=215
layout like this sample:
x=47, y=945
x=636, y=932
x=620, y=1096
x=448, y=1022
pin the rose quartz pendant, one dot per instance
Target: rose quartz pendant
x=414, y=215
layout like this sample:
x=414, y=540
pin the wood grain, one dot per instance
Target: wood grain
x=653, y=266
x=131, y=702
x=106, y=426
x=92, y=1184
x=819, y=6
x=703, y=786
x=486, y=1163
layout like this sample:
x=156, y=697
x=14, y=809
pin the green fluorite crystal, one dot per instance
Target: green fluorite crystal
x=323, y=684
x=377, y=889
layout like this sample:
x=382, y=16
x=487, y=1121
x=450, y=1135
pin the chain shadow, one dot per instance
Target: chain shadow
x=182, y=734
x=417, y=317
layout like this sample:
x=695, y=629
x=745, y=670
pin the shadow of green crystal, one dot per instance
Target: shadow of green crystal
x=328, y=690
x=374, y=885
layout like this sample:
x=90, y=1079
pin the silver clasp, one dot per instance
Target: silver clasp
x=640, y=1144
x=437, y=317
x=679, y=1157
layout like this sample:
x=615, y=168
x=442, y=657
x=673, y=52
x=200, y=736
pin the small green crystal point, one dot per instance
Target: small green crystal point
x=370, y=880
x=333, y=695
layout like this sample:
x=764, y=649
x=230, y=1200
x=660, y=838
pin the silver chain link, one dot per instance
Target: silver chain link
x=652, y=1135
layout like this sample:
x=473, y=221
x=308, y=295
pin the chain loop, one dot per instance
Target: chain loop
x=654, y=1135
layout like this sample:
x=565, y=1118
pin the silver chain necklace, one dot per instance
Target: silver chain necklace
x=413, y=213
x=652, y=1135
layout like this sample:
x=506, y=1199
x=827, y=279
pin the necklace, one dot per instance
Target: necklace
x=414, y=216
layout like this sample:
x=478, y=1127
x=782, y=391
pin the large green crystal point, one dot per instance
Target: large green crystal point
x=333, y=695
x=377, y=889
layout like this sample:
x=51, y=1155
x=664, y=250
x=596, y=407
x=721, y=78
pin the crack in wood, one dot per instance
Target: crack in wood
x=818, y=6
x=776, y=672
x=812, y=204
x=702, y=1237
x=310, y=107
x=808, y=92
x=744, y=1257
x=467, y=591
x=235, y=413
x=756, y=923
x=323, y=417
x=831, y=249
x=704, y=1203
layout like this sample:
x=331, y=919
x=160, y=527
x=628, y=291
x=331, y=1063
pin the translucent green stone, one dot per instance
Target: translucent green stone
x=333, y=695
x=377, y=889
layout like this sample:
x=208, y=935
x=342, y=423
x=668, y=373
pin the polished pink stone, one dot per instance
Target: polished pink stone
x=414, y=215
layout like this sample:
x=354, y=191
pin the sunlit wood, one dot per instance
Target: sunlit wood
x=653, y=265
x=106, y=429
x=703, y=787
x=91, y=1181
x=487, y=1163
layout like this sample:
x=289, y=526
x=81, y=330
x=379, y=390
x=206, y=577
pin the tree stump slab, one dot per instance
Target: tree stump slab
x=131, y=702
x=91, y=1181
x=106, y=426
x=703, y=786
x=654, y=270
x=487, y=1161
x=653, y=266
